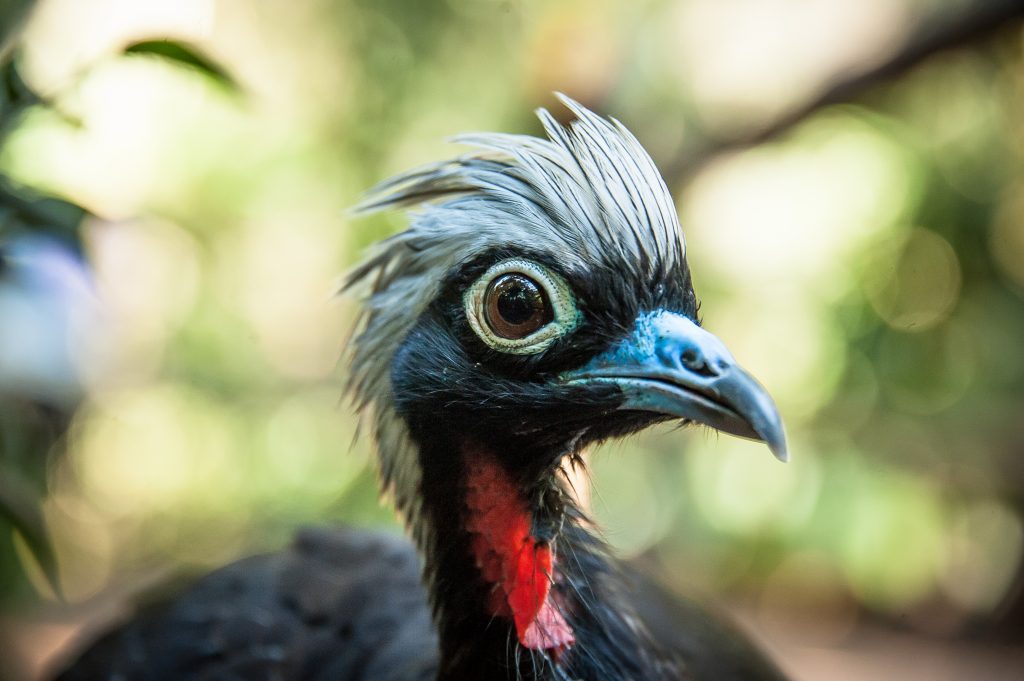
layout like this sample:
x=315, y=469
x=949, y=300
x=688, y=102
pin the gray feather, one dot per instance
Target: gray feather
x=589, y=194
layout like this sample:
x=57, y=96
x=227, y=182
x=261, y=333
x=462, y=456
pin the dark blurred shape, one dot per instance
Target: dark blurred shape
x=12, y=17
x=15, y=95
x=190, y=56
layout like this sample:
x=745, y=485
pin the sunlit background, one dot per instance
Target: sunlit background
x=172, y=400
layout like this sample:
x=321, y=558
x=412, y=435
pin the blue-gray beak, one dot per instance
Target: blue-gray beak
x=669, y=365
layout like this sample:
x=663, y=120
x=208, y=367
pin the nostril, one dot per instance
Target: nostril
x=694, y=360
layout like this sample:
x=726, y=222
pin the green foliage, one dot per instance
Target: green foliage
x=865, y=266
x=27, y=435
x=32, y=432
x=29, y=432
x=183, y=54
x=15, y=95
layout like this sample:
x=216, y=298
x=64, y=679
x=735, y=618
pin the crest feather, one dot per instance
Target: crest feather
x=589, y=194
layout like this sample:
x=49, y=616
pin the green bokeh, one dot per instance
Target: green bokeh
x=857, y=264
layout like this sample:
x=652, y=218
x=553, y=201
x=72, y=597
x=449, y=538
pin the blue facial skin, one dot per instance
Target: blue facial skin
x=669, y=365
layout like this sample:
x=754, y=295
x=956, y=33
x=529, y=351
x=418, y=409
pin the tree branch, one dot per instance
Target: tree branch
x=937, y=34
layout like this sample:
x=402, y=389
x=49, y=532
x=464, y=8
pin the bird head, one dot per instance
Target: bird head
x=540, y=300
x=542, y=297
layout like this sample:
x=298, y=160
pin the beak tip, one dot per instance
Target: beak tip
x=778, y=446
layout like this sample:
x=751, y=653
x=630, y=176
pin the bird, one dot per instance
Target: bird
x=539, y=302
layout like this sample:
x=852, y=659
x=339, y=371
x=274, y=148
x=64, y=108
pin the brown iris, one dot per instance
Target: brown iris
x=515, y=306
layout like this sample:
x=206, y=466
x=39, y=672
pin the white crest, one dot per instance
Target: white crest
x=589, y=194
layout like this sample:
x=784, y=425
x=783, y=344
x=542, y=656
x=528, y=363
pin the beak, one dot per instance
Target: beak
x=669, y=365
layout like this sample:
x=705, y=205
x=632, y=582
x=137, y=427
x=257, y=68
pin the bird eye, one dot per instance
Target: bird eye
x=515, y=306
x=520, y=307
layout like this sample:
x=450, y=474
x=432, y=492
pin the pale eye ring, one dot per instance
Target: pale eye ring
x=520, y=307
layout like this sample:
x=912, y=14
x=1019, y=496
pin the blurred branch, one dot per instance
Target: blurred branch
x=933, y=35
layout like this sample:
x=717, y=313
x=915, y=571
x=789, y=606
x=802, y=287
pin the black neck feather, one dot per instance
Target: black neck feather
x=610, y=644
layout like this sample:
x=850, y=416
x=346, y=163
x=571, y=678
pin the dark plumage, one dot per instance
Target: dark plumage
x=311, y=612
x=346, y=605
x=539, y=302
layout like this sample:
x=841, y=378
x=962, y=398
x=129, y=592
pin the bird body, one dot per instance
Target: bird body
x=540, y=301
x=343, y=604
x=338, y=605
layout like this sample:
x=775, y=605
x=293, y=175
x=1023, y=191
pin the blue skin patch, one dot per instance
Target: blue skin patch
x=663, y=337
x=669, y=365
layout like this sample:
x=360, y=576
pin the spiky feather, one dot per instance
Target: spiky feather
x=589, y=193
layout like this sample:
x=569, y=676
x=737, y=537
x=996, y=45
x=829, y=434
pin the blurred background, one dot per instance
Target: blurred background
x=174, y=178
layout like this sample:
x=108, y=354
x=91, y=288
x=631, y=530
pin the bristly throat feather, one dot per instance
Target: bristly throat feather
x=519, y=566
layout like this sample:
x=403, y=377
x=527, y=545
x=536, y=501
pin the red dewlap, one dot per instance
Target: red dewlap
x=520, y=567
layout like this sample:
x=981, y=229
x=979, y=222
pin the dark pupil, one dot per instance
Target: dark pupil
x=516, y=306
x=518, y=301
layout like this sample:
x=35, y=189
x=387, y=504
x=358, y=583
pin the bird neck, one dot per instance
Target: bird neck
x=520, y=588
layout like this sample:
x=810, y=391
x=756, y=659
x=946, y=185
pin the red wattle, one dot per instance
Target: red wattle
x=521, y=568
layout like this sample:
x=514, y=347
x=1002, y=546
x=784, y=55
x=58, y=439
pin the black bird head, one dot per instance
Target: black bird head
x=539, y=301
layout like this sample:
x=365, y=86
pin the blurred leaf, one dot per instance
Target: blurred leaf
x=187, y=55
x=15, y=91
x=15, y=96
x=20, y=505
